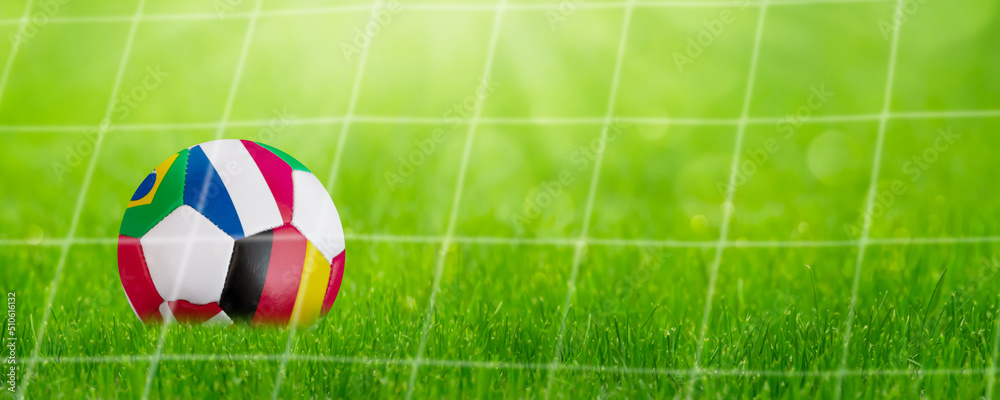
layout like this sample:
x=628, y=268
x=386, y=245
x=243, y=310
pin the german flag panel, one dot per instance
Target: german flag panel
x=276, y=277
x=309, y=300
x=247, y=274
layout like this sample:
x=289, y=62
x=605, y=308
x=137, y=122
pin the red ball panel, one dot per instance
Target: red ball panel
x=336, y=276
x=135, y=278
x=187, y=313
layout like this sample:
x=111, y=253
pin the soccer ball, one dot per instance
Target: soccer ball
x=231, y=230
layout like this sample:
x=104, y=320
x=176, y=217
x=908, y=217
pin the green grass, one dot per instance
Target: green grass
x=926, y=313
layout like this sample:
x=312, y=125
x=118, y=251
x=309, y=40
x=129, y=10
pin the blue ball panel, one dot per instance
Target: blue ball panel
x=205, y=192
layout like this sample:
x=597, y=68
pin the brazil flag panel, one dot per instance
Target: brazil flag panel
x=161, y=192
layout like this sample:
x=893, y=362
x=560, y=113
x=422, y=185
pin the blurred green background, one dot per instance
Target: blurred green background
x=398, y=104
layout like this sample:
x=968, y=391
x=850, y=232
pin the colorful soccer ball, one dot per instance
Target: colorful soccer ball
x=231, y=230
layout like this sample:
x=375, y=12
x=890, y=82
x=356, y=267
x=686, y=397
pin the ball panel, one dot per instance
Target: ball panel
x=277, y=300
x=250, y=194
x=315, y=276
x=278, y=175
x=163, y=198
x=315, y=215
x=186, y=313
x=333, y=286
x=291, y=161
x=247, y=274
x=205, y=192
x=142, y=295
x=188, y=257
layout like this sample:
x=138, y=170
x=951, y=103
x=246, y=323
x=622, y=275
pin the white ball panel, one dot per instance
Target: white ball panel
x=315, y=215
x=188, y=257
